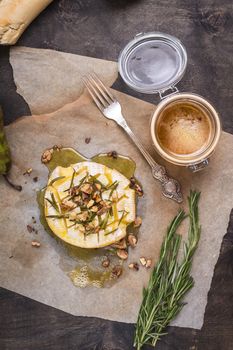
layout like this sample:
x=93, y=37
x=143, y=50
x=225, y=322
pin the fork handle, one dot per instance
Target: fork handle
x=170, y=187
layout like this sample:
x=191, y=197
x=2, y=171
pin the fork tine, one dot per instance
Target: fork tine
x=100, y=90
x=94, y=87
x=103, y=88
x=95, y=99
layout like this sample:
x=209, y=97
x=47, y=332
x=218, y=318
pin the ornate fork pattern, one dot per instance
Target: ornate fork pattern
x=111, y=109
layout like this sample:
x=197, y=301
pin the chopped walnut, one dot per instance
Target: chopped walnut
x=134, y=185
x=94, y=209
x=35, y=244
x=112, y=154
x=67, y=204
x=122, y=254
x=98, y=186
x=91, y=226
x=148, y=263
x=72, y=215
x=106, y=262
x=90, y=203
x=46, y=156
x=81, y=228
x=103, y=210
x=83, y=216
x=139, y=190
x=86, y=188
x=117, y=271
x=120, y=244
x=28, y=171
x=143, y=261
x=29, y=228
x=137, y=221
x=132, y=240
x=134, y=266
x=57, y=147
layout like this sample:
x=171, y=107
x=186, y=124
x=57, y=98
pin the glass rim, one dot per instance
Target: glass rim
x=143, y=37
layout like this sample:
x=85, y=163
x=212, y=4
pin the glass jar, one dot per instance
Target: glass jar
x=155, y=63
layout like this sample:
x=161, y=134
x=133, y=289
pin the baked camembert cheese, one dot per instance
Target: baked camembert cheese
x=89, y=205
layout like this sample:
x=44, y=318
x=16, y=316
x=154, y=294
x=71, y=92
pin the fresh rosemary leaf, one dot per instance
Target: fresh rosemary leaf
x=96, y=181
x=170, y=279
x=108, y=233
x=124, y=214
x=56, y=179
x=105, y=221
x=72, y=179
x=56, y=216
x=53, y=202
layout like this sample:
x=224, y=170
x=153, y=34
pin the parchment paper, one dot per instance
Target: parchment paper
x=40, y=273
x=49, y=79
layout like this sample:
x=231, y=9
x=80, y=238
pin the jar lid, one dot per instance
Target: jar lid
x=152, y=62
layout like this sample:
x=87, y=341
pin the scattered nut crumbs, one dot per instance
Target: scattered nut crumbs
x=87, y=140
x=57, y=148
x=143, y=261
x=146, y=262
x=28, y=171
x=120, y=244
x=29, y=228
x=46, y=156
x=132, y=240
x=134, y=185
x=137, y=221
x=112, y=154
x=35, y=179
x=134, y=266
x=117, y=271
x=35, y=244
x=122, y=254
x=106, y=262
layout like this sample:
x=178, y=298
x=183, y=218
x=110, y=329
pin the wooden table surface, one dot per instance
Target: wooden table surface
x=100, y=28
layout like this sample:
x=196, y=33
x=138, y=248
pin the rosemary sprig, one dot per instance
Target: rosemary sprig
x=53, y=202
x=170, y=280
x=72, y=179
x=56, y=216
x=56, y=179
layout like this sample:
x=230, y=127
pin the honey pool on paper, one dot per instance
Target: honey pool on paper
x=84, y=266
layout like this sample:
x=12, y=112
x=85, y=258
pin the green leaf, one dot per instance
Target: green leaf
x=56, y=179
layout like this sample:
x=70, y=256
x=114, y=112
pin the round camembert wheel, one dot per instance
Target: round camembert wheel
x=89, y=205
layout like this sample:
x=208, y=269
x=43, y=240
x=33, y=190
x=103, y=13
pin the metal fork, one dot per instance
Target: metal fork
x=111, y=109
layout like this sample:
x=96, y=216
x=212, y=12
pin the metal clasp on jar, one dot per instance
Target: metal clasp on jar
x=198, y=166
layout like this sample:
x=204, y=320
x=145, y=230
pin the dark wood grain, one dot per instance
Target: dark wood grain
x=100, y=28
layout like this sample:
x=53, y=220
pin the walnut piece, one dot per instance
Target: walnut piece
x=137, y=221
x=120, y=244
x=106, y=262
x=134, y=266
x=35, y=244
x=46, y=156
x=86, y=188
x=67, y=204
x=148, y=263
x=122, y=254
x=117, y=271
x=132, y=240
x=143, y=261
